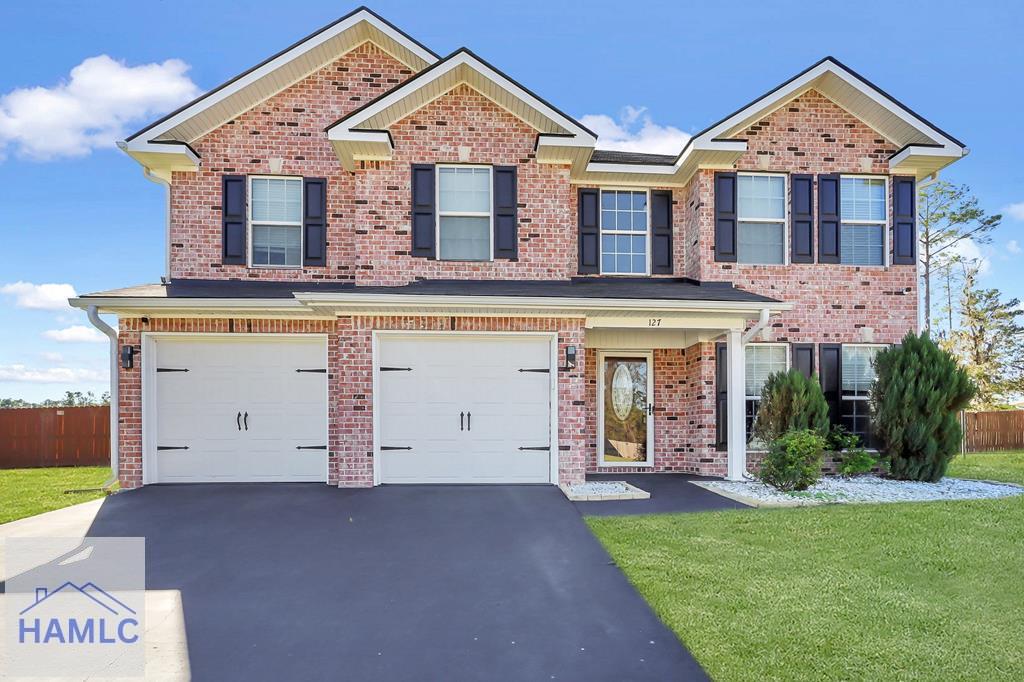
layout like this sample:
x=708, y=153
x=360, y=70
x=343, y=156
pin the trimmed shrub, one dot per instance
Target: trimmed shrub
x=790, y=402
x=919, y=389
x=853, y=459
x=794, y=461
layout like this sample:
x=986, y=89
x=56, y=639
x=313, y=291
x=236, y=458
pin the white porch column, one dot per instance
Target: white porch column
x=736, y=410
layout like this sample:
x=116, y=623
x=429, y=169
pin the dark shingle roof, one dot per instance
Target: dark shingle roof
x=610, y=156
x=643, y=288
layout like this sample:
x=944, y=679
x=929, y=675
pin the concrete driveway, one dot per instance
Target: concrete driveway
x=303, y=581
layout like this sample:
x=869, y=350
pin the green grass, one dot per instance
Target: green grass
x=27, y=492
x=924, y=591
x=990, y=466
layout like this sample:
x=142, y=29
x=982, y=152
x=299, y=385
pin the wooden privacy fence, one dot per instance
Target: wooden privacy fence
x=1001, y=430
x=54, y=437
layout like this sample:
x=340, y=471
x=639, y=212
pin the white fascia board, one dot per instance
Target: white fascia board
x=536, y=302
x=468, y=60
x=154, y=303
x=175, y=152
x=695, y=147
x=921, y=150
x=283, y=59
x=630, y=168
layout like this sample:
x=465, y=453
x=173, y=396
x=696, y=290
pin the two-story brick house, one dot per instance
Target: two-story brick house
x=385, y=266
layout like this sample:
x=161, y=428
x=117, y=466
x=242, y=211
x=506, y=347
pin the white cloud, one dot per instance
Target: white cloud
x=969, y=250
x=76, y=333
x=39, y=296
x=635, y=131
x=92, y=108
x=51, y=356
x=1013, y=246
x=50, y=375
x=1015, y=211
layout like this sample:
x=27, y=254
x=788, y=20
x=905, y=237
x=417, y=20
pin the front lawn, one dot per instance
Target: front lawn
x=27, y=492
x=989, y=466
x=919, y=591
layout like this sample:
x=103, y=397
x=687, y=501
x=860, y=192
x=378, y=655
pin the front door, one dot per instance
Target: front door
x=626, y=406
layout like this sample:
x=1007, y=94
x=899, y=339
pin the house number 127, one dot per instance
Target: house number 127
x=654, y=322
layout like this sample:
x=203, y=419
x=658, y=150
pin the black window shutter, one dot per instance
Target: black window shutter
x=232, y=215
x=314, y=222
x=589, y=237
x=904, y=228
x=661, y=232
x=721, y=396
x=423, y=210
x=506, y=213
x=801, y=215
x=725, y=217
x=828, y=219
x=803, y=358
x=831, y=373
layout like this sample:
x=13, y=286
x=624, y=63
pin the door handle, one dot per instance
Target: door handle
x=238, y=421
x=650, y=408
x=462, y=416
x=245, y=420
x=469, y=421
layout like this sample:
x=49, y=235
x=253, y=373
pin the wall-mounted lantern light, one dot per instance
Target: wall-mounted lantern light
x=570, y=357
x=127, y=357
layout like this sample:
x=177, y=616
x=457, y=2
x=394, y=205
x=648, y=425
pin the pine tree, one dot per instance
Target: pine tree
x=919, y=390
x=790, y=402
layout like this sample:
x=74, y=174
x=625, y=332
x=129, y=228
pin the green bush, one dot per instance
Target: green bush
x=794, y=460
x=790, y=402
x=919, y=389
x=853, y=459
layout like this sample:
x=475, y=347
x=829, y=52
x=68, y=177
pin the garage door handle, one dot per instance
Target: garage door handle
x=462, y=415
x=245, y=420
x=469, y=421
x=238, y=420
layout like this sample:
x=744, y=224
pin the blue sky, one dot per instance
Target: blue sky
x=76, y=211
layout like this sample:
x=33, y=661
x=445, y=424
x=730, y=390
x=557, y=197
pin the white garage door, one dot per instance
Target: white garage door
x=233, y=410
x=469, y=409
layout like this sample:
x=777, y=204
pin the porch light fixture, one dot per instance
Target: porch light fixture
x=127, y=357
x=570, y=357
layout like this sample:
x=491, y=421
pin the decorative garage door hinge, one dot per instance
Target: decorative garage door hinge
x=541, y=370
x=538, y=447
x=396, y=369
x=396, y=447
x=170, y=369
x=310, y=447
x=172, y=447
x=316, y=371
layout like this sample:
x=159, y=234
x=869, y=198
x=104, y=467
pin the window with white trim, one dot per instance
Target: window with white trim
x=858, y=375
x=863, y=214
x=464, y=213
x=275, y=220
x=761, y=361
x=760, y=218
x=624, y=241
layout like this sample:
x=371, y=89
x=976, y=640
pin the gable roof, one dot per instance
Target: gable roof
x=246, y=90
x=361, y=134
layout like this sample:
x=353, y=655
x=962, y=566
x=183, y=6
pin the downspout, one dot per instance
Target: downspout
x=762, y=322
x=167, y=219
x=111, y=333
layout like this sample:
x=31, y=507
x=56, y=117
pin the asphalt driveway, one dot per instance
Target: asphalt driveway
x=304, y=581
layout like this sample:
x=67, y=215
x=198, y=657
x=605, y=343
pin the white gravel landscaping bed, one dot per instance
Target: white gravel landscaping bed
x=861, y=489
x=595, y=491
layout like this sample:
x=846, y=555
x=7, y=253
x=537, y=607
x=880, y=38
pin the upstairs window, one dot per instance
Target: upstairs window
x=858, y=374
x=275, y=217
x=761, y=219
x=624, y=220
x=464, y=213
x=762, y=360
x=863, y=214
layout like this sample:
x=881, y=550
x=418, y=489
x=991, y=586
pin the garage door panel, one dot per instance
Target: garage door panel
x=226, y=378
x=472, y=375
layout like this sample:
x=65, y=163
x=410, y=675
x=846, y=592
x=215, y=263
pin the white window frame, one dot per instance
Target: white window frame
x=464, y=214
x=843, y=398
x=274, y=223
x=601, y=232
x=766, y=221
x=885, y=221
x=751, y=445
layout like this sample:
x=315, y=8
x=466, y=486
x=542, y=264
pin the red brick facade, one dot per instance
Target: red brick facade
x=369, y=242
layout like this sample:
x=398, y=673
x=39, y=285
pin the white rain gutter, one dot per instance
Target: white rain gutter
x=167, y=219
x=111, y=333
x=761, y=323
